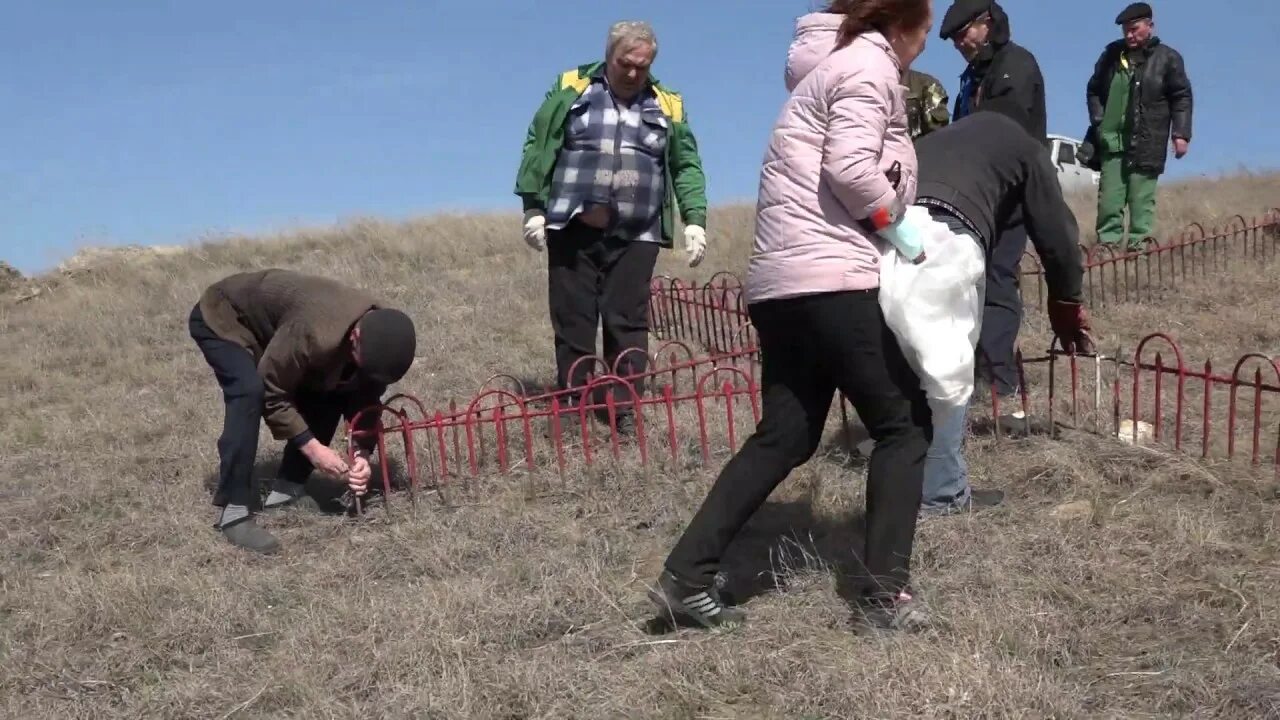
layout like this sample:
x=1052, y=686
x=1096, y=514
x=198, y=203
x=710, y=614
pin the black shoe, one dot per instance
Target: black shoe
x=902, y=611
x=978, y=499
x=678, y=600
x=626, y=425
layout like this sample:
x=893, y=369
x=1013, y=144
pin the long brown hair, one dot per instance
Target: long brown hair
x=879, y=15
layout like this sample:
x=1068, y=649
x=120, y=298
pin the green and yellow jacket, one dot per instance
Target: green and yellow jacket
x=686, y=186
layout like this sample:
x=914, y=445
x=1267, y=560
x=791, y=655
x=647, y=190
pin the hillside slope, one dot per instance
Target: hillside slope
x=1116, y=581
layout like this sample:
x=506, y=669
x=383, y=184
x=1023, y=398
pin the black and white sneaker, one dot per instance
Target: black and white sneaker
x=681, y=601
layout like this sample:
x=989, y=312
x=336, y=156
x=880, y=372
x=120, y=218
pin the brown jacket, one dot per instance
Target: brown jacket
x=296, y=326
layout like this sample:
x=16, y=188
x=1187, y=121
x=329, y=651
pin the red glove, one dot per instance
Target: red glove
x=1070, y=322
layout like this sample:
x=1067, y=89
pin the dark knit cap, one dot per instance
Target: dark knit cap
x=961, y=13
x=387, y=345
x=1136, y=11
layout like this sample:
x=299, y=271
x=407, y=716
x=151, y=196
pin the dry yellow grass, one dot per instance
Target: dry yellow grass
x=1116, y=582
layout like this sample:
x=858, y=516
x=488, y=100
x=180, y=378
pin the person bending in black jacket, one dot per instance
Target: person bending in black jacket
x=974, y=175
x=998, y=68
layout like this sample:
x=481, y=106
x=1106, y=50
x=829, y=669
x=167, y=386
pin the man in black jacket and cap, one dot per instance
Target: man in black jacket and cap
x=998, y=68
x=1138, y=97
x=974, y=175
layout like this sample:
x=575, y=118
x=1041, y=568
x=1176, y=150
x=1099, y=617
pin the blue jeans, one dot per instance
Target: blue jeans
x=946, y=475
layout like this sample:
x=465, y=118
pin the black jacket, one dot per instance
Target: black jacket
x=985, y=169
x=1159, y=101
x=1006, y=68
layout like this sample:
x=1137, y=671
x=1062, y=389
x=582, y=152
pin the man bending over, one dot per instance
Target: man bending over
x=299, y=352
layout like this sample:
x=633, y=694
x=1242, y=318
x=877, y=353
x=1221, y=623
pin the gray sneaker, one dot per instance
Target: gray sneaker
x=246, y=534
x=897, y=612
x=308, y=504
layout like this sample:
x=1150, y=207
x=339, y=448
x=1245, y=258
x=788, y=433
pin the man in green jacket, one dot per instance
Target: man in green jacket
x=607, y=159
x=1139, y=99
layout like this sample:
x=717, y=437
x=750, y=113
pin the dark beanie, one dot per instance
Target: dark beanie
x=1135, y=11
x=387, y=345
x=961, y=13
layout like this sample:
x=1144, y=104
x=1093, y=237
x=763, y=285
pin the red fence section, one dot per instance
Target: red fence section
x=695, y=410
x=714, y=314
x=1134, y=276
x=700, y=396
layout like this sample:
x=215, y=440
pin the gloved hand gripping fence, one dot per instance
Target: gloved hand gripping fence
x=1070, y=322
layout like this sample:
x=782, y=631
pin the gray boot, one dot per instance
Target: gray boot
x=244, y=532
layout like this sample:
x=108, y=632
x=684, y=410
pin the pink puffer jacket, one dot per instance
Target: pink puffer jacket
x=843, y=126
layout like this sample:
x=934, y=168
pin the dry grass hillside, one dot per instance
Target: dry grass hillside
x=1115, y=582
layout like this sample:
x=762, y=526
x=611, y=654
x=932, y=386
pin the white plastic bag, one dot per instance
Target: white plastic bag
x=935, y=308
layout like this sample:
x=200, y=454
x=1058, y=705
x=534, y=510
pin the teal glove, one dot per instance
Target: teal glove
x=907, y=236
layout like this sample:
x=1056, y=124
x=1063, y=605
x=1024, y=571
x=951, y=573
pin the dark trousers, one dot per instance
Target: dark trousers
x=242, y=395
x=593, y=280
x=1002, y=313
x=810, y=347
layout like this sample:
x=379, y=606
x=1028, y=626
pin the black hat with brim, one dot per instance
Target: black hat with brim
x=1135, y=11
x=387, y=345
x=961, y=13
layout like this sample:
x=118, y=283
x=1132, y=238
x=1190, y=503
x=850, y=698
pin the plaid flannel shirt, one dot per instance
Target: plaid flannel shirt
x=614, y=156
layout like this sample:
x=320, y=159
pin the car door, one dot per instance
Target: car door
x=1070, y=173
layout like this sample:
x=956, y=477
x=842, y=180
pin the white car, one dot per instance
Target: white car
x=1072, y=174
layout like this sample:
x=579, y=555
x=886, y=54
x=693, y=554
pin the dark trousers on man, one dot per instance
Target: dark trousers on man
x=242, y=395
x=594, y=280
x=810, y=347
x=1002, y=313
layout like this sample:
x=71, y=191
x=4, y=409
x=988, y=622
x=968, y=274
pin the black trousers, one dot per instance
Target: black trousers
x=810, y=347
x=592, y=281
x=242, y=395
x=1002, y=312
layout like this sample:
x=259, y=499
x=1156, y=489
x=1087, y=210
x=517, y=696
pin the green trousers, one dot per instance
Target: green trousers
x=1119, y=187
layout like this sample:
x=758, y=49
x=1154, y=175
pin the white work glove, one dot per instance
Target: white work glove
x=535, y=229
x=695, y=244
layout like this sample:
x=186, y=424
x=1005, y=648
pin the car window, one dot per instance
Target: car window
x=1066, y=153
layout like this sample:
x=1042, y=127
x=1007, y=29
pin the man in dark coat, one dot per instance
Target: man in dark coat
x=1139, y=96
x=998, y=68
x=997, y=65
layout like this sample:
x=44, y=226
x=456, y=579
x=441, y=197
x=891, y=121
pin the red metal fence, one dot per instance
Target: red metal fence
x=714, y=314
x=700, y=396
x=691, y=411
x=1133, y=276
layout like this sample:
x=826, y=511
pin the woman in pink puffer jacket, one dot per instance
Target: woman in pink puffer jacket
x=838, y=173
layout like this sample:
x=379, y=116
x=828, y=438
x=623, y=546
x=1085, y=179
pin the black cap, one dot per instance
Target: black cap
x=387, y=345
x=961, y=13
x=1135, y=11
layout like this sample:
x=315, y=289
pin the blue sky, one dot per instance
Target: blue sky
x=153, y=121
